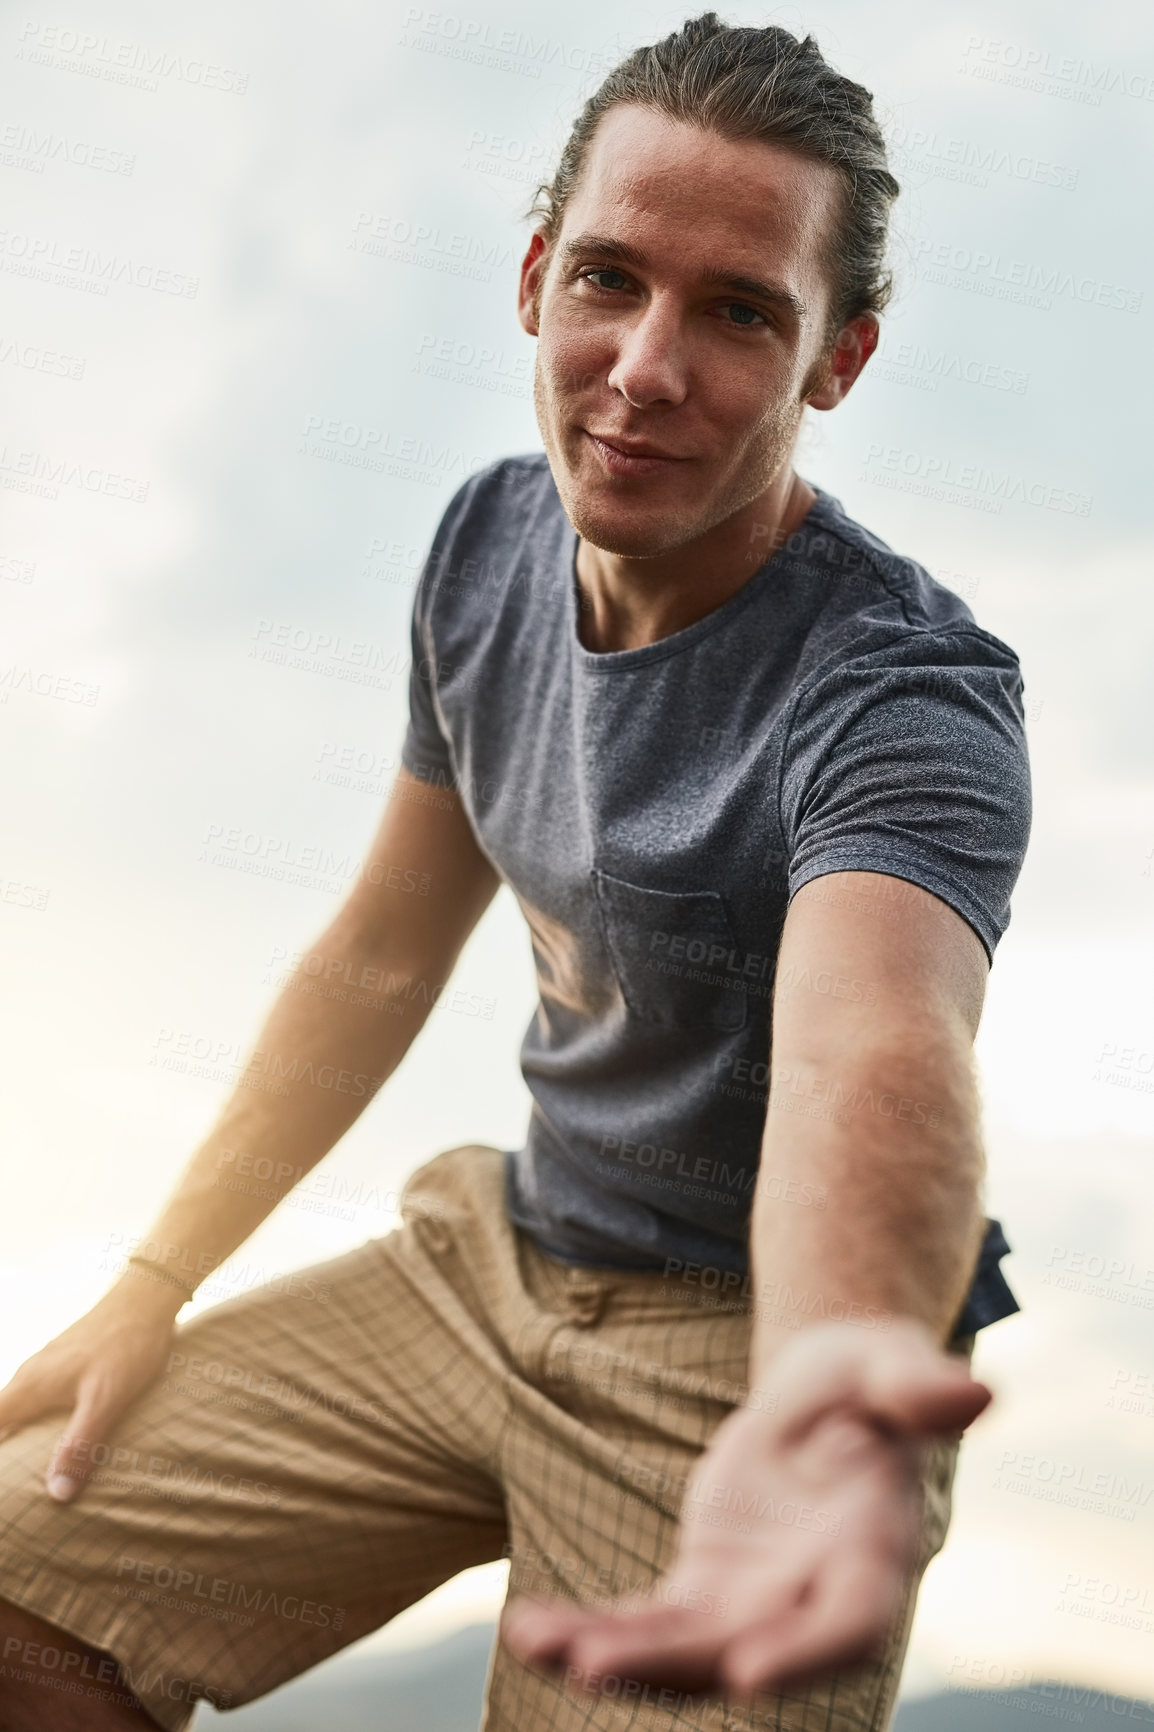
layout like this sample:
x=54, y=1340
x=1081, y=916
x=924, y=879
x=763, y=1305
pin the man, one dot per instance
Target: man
x=696, y=1357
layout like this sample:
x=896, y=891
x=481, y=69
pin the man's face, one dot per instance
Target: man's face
x=646, y=349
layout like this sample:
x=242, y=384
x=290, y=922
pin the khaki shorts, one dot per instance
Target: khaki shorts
x=317, y=1458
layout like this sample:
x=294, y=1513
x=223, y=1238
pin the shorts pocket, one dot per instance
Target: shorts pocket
x=670, y=951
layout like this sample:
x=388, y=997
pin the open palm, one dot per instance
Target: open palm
x=797, y=1532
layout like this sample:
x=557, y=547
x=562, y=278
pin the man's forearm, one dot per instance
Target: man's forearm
x=868, y=1199
x=322, y=1054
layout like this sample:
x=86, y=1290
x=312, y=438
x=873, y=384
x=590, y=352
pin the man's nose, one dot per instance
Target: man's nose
x=651, y=365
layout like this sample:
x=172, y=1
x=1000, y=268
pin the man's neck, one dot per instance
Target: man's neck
x=626, y=603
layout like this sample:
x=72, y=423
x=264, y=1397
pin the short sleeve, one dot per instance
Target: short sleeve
x=426, y=751
x=911, y=759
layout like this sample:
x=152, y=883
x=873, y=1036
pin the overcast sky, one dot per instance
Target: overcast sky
x=244, y=245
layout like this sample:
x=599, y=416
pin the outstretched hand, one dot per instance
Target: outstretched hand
x=797, y=1532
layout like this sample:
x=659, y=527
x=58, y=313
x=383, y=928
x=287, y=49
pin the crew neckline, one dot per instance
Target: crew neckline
x=613, y=661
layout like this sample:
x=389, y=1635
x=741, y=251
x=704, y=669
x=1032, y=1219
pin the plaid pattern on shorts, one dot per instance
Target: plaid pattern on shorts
x=315, y=1460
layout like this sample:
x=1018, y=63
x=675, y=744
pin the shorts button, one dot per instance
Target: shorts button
x=585, y=1304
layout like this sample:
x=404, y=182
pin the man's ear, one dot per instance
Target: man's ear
x=533, y=268
x=852, y=348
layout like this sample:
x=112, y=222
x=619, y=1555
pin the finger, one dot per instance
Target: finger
x=71, y=1462
x=666, y=1646
x=539, y=1634
x=671, y=1644
x=846, y=1620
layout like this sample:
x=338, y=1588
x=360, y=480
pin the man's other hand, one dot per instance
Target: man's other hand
x=797, y=1533
x=93, y=1371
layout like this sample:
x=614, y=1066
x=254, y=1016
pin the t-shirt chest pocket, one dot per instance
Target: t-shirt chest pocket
x=670, y=951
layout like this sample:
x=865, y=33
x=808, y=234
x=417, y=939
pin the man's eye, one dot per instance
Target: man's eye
x=603, y=271
x=747, y=316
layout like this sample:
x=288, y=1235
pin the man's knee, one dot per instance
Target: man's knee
x=49, y=1678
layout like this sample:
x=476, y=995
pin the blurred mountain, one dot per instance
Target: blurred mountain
x=1081, y=1705
x=439, y=1688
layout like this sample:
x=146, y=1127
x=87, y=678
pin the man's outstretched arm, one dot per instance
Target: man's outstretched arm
x=866, y=1226
x=873, y=1114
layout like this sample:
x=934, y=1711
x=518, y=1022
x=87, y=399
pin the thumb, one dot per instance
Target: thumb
x=906, y=1380
x=946, y=1401
x=925, y=1391
x=72, y=1459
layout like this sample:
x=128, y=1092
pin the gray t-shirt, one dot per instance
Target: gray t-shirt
x=653, y=811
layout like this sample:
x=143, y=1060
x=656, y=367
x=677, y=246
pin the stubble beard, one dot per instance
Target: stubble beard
x=763, y=460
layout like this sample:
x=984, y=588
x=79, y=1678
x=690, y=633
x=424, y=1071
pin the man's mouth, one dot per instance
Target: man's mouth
x=631, y=457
